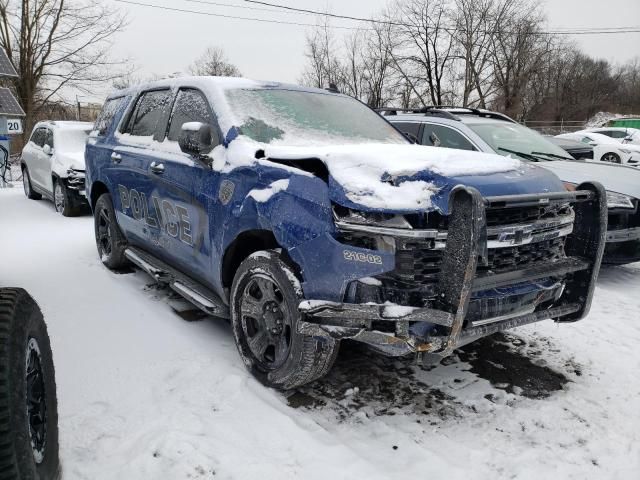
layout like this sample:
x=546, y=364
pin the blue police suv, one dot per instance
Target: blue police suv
x=306, y=218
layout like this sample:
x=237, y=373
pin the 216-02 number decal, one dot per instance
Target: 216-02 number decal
x=362, y=257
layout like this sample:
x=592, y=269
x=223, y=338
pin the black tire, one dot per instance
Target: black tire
x=305, y=358
x=28, y=446
x=110, y=241
x=610, y=157
x=26, y=184
x=62, y=201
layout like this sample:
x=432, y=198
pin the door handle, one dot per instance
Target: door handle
x=157, y=167
x=116, y=157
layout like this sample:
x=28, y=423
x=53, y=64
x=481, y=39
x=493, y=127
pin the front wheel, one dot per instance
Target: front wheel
x=110, y=241
x=264, y=311
x=28, y=403
x=61, y=200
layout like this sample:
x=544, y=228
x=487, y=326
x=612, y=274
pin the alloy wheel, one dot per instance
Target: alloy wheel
x=36, y=400
x=104, y=233
x=265, y=322
x=58, y=197
x=25, y=183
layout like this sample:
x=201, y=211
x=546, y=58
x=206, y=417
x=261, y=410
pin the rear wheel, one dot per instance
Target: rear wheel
x=109, y=239
x=28, y=404
x=265, y=316
x=611, y=157
x=26, y=184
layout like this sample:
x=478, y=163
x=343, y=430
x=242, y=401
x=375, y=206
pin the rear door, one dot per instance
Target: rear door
x=436, y=135
x=30, y=151
x=34, y=157
x=133, y=153
x=183, y=190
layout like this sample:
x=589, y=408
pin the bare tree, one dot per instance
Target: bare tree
x=324, y=66
x=518, y=49
x=57, y=45
x=423, y=52
x=214, y=62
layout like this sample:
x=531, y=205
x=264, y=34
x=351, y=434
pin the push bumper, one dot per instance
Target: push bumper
x=458, y=280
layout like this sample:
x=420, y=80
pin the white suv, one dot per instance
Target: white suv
x=53, y=164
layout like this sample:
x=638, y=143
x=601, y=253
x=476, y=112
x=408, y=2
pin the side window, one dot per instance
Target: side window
x=149, y=115
x=190, y=106
x=410, y=128
x=586, y=140
x=618, y=134
x=49, y=138
x=608, y=133
x=441, y=136
x=103, y=122
x=38, y=136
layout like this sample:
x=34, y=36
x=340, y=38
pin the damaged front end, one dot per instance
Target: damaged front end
x=492, y=264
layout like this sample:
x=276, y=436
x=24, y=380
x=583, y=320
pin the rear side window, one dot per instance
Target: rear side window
x=39, y=135
x=150, y=113
x=190, y=106
x=411, y=128
x=107, y=114
x=441, y=136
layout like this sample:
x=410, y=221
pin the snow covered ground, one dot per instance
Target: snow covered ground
x=145, y=394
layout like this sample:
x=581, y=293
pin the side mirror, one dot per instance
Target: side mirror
x=196, y=138
x=47, y=150
x=628, y=139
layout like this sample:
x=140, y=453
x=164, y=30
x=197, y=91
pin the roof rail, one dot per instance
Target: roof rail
x=477, y=111
x=433, y=111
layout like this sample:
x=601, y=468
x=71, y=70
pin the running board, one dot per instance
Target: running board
x=200, y=296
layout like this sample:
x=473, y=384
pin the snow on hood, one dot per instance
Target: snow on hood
x=377, y=176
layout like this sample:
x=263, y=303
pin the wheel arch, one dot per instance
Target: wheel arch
x=97, y=189
x=246, y=243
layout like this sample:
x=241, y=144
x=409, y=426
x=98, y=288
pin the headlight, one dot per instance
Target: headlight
x=354, y=217
x=618, y=200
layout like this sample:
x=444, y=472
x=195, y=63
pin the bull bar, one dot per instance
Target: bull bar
x=458, y=279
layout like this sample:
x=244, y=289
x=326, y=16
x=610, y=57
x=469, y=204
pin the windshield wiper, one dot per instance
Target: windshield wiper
x=552, y=155
x=522, y=154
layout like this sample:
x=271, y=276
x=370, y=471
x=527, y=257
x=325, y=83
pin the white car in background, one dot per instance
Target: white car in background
x=52, y=165
x=620, y=134
x=607, y=149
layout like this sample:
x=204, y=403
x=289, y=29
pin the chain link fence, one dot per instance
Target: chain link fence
x=556, y=127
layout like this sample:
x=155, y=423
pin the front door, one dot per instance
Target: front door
x=183, y=192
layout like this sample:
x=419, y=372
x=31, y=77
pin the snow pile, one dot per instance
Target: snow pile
x=600, y=119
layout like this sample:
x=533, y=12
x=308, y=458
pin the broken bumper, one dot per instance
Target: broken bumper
x=447, y=324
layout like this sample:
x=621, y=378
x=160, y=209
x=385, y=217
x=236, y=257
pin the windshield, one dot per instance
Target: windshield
x=513, y=139
x=291, y=117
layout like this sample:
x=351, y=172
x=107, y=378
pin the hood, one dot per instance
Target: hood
x=615, y=178
x=63, y=161
x=413, y=178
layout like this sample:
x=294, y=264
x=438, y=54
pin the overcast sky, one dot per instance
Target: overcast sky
x=162, y=42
